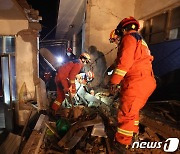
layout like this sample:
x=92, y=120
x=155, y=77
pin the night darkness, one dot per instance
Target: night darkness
x=48, y=10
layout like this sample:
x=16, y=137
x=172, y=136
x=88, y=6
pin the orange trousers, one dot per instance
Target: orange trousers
x=135, y=92
x=62, y=85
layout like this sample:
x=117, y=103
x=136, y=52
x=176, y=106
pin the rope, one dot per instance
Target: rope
x=50, y=31
x=91, y=67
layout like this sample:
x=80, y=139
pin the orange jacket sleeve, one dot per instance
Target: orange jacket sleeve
x=125, y=58
x=74, y=71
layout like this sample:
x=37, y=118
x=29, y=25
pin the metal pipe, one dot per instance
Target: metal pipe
x=2, y=59
x=4, y=45
x=68, y=44
x=10, y=80
x=74, y=44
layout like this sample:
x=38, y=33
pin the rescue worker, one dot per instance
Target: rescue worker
x=134, y=69
x=49, y=80
x=69, y=55
x=47, y=75
x=65, y=78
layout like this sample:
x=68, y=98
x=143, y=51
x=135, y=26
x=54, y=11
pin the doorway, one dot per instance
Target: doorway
x=7, y=82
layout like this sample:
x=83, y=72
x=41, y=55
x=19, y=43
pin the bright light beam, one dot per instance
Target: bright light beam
x=60, y=59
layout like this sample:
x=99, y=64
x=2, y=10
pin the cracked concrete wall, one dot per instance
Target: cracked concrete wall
x=101, y=18
x=144, y=8
x=26, y=70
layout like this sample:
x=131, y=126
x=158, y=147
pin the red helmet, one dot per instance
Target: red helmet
x=69, y=50
x=127, y=21
x=124, y=23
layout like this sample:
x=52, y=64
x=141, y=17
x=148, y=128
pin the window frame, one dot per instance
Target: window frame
x=148, y=26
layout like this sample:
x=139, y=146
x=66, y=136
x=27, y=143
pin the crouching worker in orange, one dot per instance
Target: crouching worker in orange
x=65, y=78
x=134, y=71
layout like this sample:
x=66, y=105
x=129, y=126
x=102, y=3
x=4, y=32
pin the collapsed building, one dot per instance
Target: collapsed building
x=87, y=123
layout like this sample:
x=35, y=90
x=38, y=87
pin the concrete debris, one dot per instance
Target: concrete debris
x=92, y=127
x=74, y=139
x=99, y=130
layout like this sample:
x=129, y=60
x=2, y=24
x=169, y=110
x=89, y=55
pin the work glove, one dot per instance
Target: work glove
x=113, y=89
x=110, y=68
x=72, y=91
x=72, y=95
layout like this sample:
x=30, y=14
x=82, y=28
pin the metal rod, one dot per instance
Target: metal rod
x=10, y=81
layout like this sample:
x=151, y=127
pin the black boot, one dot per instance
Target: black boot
x=119, y=148
x=135, y=137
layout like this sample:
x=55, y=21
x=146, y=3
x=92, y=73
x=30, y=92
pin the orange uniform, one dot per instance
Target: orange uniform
x=134, y=66
x=65, y=79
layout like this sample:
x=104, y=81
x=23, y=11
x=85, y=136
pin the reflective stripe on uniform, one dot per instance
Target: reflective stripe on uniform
x=125, y=132
x=120, y=72
x=56, y=102
x=144, y=43
x=72, y=81
x=136, y=123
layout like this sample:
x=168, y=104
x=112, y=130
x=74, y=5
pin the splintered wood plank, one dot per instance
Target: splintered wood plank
x=75, y=139
x=159, y=127
x=32, y=143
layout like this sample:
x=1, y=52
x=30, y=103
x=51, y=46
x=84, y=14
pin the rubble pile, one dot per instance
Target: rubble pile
x=88, y=126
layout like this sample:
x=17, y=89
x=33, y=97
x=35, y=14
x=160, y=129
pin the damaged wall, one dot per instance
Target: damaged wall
x=144, y=8
x=15, y=21
x=26, y=61
x=101, y=18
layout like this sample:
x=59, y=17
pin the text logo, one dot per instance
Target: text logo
x=170, y=145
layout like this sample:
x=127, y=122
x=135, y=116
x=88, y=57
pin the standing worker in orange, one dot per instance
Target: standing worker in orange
x=65, y=78
x=133, y=69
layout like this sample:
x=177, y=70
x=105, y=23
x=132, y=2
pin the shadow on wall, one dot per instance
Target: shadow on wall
x=98, y=66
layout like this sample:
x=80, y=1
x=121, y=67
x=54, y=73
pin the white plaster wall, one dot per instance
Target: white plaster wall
x=144, y=8
x=10, y=9
x=14, y=22
x=12, y=27
x=12, y=18
x=102, y=17
x=26, y=63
